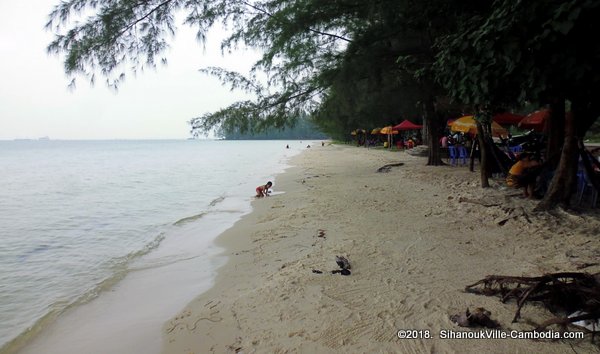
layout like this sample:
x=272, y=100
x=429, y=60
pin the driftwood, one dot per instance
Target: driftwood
x=561, y=293
x=388, y=167
x=513, y=214
x=480, y=202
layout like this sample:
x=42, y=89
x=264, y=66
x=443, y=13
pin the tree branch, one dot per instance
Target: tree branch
x=307, y=28
x=130, y=26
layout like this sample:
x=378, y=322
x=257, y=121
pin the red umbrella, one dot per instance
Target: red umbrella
x=507, y=118
x=407, y=125
x=535, y=120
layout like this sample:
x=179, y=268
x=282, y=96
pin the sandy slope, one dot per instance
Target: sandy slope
x=413, y=246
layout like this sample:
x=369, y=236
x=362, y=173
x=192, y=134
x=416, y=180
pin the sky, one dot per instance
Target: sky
x=35, y=100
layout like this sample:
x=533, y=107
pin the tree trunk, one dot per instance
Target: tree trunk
x=584, y=112
x=555, y=131
x=484, y=157
x=561, y=186
x=432, y=122
x=425, y=131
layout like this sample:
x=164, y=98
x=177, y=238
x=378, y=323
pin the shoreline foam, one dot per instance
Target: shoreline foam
x=414, y=245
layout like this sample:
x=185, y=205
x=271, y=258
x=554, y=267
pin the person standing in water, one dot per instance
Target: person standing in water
x=263, y=191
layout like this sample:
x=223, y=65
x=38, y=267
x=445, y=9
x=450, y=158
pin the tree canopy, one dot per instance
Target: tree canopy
x=336, y=60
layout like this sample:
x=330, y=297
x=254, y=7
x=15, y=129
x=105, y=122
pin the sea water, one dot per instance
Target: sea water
x=116, y=226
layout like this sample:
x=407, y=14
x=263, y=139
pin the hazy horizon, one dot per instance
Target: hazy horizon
x=35, y=100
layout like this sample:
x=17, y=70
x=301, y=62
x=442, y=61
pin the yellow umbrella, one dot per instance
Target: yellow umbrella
x=467, y=124
x=376, y=131
x=388, y=130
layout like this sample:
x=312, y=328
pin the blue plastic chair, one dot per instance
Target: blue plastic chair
x=452, y=155
x=585, y=185
x=462, y=155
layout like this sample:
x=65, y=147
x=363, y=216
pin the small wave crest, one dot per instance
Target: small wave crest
x=189, y=218
x=216, y=201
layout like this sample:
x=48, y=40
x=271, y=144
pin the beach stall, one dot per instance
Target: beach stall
x=407, y=125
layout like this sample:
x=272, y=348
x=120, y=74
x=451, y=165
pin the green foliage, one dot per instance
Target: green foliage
x=518, y=51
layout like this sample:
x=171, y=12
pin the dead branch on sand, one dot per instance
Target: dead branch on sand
x=561, y=293
x=388, y=167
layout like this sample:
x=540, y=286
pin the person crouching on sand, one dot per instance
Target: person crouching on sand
x=523, y=174
x=263, y=191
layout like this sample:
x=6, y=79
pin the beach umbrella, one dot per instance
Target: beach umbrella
x=358, y=131
x=508, y=118
x=407, y=125
x=388, y=130
x=467, y=124
x=535, y=120
x=375, y=131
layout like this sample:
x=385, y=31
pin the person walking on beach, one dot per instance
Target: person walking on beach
x=263, y=191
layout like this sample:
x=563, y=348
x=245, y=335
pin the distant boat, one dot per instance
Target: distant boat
x=44, y=138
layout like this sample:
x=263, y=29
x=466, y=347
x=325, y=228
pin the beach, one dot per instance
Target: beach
x=415, y=237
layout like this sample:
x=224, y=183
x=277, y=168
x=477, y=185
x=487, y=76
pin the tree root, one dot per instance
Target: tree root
x=560, y=292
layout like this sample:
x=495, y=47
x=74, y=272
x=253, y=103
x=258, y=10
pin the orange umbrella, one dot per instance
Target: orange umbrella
x=467, y=124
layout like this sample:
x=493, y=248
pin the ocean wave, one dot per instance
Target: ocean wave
x=189, y=218
x=216, y=201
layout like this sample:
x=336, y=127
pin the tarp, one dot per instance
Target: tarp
x=407, y=125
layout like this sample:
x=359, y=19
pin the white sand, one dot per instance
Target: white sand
x=413, y=247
